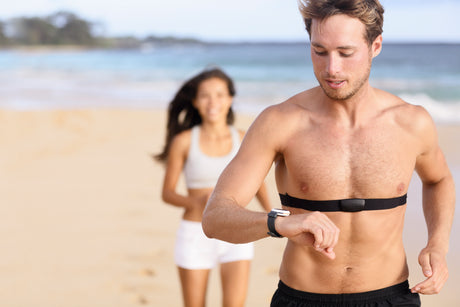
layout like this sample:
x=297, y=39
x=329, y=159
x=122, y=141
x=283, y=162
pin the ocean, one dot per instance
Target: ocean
x=264, y=74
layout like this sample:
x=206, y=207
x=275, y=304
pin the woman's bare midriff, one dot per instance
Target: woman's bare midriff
x=369, y=255
x=195, y=213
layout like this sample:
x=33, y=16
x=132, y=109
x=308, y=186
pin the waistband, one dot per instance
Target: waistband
x=392, y=291
x=190, y=224
x=347, y=205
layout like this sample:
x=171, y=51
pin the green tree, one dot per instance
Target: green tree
x=71, y=30
x=33, y=31
x=61, y=28
x=3, y=38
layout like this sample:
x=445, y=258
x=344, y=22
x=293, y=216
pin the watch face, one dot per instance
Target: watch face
x=281, y=212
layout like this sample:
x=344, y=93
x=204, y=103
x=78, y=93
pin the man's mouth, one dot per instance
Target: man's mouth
x=335, y=84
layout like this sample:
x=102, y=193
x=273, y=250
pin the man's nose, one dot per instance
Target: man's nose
x=333, y=65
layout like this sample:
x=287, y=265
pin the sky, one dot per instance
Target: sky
x=240, y=20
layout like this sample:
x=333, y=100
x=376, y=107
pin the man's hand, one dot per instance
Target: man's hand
x=314, y=229
x=434, y=267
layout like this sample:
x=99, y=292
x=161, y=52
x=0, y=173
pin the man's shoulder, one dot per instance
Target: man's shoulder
x=279, y=121
x=407, y=114
x=295, y=106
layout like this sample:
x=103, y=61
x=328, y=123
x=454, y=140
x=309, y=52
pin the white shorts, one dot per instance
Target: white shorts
x=195, y=251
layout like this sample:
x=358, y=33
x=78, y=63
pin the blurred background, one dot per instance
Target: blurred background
x=83, y=96
x=144, y=50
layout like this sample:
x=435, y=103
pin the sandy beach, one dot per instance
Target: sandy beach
x=82, y=222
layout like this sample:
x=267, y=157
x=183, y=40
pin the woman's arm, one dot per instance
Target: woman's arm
x=174, y=165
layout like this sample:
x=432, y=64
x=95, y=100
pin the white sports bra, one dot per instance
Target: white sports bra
x=202, y=171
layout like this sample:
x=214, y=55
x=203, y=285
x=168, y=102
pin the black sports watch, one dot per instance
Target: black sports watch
x=272, y=215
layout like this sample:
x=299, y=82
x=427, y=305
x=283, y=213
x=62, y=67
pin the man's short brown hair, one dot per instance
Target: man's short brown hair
x=369, y=12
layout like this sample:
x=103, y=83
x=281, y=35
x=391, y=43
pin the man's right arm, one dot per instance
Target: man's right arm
x=225, y=216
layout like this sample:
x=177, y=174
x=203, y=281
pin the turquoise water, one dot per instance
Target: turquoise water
x=424, y=74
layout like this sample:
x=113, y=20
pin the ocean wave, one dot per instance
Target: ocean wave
x=27, y=89
x=445, y=112
x=254, y=97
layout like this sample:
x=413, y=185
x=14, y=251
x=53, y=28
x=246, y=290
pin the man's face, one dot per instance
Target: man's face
x=341, y=56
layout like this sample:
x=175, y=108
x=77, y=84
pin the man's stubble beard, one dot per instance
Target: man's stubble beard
x=356, y=86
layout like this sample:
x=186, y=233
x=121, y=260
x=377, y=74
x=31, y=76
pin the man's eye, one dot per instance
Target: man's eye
x=320, y=52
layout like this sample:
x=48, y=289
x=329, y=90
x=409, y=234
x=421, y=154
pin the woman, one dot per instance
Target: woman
x=200, y=141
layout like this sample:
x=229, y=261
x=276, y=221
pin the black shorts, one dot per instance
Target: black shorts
x=397, y=295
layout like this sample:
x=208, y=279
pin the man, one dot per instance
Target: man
x=351, y=143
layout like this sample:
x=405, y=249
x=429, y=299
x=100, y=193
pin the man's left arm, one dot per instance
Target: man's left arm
x=438, y=208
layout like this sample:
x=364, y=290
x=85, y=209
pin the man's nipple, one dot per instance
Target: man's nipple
x=400, y=188
x=304, y=187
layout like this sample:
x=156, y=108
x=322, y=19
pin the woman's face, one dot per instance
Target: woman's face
x=213, y=100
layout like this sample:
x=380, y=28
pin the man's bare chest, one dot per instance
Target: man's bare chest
x=370, y=163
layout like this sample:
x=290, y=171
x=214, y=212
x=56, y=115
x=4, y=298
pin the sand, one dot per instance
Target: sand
x=82, y=222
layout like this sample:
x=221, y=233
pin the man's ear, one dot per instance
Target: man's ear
x=377, y=46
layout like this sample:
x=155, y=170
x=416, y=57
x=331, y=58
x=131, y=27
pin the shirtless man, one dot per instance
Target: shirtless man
x=339, y=141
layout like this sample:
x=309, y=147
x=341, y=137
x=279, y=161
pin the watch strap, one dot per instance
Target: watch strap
x=271, y=225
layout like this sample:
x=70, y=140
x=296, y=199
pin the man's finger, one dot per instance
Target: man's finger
x=424, y=261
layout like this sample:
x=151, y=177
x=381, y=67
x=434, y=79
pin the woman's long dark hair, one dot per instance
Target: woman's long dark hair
x=182, y=115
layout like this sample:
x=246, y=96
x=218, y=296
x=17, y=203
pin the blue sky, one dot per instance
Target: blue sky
x=236, y=20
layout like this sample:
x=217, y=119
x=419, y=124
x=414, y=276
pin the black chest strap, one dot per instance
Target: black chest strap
x=346, y=205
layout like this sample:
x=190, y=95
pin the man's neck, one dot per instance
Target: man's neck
x=354, y=111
